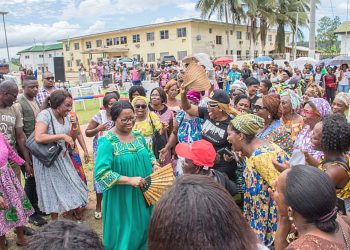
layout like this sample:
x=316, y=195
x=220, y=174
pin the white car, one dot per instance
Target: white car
x=130, y=63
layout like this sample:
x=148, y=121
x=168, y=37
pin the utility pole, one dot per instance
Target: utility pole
x=7, y=46
x=296, y=37
x=312, y=32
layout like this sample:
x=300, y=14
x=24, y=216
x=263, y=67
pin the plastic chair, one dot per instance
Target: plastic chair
x=76, y=93
x=96, y=90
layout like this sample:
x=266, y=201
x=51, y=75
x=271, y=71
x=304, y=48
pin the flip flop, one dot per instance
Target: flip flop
x=98, y=215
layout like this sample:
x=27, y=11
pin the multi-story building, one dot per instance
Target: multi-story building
x=149, y=43
x=40, y=57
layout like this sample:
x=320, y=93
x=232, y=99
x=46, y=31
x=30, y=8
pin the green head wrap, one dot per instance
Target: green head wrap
x=248, y=124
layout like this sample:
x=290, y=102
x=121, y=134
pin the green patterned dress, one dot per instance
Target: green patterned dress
x=124, y=212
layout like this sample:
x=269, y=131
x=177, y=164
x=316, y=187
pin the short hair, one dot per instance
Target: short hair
x=64, y=234
x=118, y=108
x=27, y=79
x=251, y=81
x=272, y=104
x=240, y=97
x=56, y=99
x=137, y=88
x=198, y=213
x=267, y=84
x=304, y=184
x=162, y=94
x=335, y=134
x=109, y=97
x=8, y=85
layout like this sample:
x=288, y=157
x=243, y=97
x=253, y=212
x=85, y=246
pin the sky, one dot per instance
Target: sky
x=32, y=22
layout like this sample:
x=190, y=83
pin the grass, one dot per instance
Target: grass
x=92, y=107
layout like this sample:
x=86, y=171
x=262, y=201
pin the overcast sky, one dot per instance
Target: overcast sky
x=46, y=21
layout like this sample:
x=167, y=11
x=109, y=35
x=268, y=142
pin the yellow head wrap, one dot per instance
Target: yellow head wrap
x=248, y=124
x=137, y=98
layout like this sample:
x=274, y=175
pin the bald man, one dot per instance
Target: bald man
x=47, y=89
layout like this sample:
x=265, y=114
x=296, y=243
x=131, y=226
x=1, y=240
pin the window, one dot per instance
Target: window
x=69, y=63
x=239, y=35
x=247, y=36
x=218, y=39
x=287, y=39
x=247, y=52
x=151, y=57
x=164, y=34
x=41, y=56
x=109, y=42
x=77, y=62
x=210, y=31
x=231, y=32
x=181, y=54
x=88, y=45
x=136, y=38
x=270, y=38
x=231, y=52
x=150, y=36
x=123, y=40
x=116, y=40
x=98, y=43
x=181, y=32
x=76, y=46
x=226, y=52
x=162, y=54
x=26, y=57
x=239, y=54
x=50, y=55
x=67, y=47
x=256, y=53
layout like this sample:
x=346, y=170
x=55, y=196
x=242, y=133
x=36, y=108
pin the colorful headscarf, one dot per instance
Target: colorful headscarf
x=322, y=106
x=137, y=98
x=239, y=84
x=248, y=124
x=194, y=96
x=344, y=97
x=294, y=98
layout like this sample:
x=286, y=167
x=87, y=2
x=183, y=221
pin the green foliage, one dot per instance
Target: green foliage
x=327, y=41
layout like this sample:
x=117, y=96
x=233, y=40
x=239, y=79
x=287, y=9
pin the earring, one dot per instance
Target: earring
x=269, y=116
x=290, y=217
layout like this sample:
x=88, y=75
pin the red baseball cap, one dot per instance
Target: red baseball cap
x=202, y=152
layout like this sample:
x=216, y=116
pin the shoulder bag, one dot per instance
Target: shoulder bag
x=45, y=153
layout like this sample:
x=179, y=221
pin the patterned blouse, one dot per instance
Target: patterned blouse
x=188, y=130
x=303, y=141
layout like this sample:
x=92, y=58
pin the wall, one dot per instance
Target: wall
x=36, y=62
x=345, y=41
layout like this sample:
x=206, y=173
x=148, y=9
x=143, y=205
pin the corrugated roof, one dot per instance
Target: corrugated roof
x=343, y=28
x=42, y=48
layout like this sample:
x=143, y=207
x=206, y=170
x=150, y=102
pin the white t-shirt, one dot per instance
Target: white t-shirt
x=345, y=78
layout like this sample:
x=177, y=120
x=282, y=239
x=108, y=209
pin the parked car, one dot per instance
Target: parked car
x=130, y=63
x=167, y=60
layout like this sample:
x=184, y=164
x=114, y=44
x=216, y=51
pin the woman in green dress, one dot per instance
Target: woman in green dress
x=123, y=160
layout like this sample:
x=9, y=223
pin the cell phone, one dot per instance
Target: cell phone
x=225, y=150
x=341, y=205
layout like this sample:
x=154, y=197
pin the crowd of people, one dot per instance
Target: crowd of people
x=251, y=156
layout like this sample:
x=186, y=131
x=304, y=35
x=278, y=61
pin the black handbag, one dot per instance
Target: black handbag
x=45, y=153
x=158, y=141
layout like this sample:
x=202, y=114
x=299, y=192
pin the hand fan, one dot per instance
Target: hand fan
x=195, y=77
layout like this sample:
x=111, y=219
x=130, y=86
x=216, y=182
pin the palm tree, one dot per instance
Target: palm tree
x=231, y=10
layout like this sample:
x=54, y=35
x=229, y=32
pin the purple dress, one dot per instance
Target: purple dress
x=19, y=206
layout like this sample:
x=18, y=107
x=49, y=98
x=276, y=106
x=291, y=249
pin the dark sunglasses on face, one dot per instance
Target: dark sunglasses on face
x=212, y=105
x=50, y=78
x=257, y=108
x=143, y=106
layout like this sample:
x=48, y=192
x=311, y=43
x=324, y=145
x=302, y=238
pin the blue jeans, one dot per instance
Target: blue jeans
x=343, y=88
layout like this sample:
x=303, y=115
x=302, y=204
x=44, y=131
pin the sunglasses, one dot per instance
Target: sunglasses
x=143, y=106
x=212, y=105
x=308, y=112
x=257, y=108
x=50, y=78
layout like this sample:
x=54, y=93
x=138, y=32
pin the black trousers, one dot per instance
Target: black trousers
x=30, y=190
x=330, y=94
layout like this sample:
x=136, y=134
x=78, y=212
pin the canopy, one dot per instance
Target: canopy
x=300, y=62
x=326, y=62
x=223, y=60
x=202, y=58
x=263, y=59
x=338, y=60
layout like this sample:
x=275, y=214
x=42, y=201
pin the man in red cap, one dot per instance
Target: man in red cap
x=199, y=159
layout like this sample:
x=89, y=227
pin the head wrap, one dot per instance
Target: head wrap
x=272, y=104
x=239, y=84
x=169, y=84
x=344, y=97
x=248, y=124
x=294, y=98
x=137, y=98
x=322, y=106
x=194, y=96
x=315, y=90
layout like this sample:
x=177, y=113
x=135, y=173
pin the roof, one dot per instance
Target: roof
x=152, y=26
x=42, y=48
x=343, y=28
x=301, y=48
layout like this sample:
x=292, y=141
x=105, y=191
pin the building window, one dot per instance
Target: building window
x=231, y=32
x=287, y=39
x=247, y=36
x=226, y=52
x=123, y=40
x=231, y=52
x=88, y=45
x=270, y=38
x=67, y=47
x=109, y=42
x=162, y=54
x=164, y=34
x=41, y=56
x=76, y=46
x=218, y=39
x=78, y=61
x=69, y=63
x=150, y=36
x=50, y=55
x=116, y=40
x=136, y=38
x=210, y=30
x=98, y=43
x=247, y=52
x=181, y=32
x=239, y=54
x=239, y=35
x=181, y=54
x=151, y=57
x=26, y=57
x=256, y=53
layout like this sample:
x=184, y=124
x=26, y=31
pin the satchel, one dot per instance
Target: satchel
x=158, y=141
x=45, y=153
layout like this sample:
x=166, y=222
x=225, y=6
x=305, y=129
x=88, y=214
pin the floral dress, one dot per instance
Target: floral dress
x=19, y=206
x=258, y=207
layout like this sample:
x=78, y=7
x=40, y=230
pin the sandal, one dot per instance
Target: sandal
x=98, y=215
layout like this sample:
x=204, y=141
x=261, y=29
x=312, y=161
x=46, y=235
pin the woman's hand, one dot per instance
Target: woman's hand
x=165, y=125
x=68, y=140
x=3, y=204
x=155, y=166
x=228, y=158
x=310, y=159
x=29, y=169
x=86, y=157
x=137, y=182
x=162, y=153
x=102, y=127
x=280, y=166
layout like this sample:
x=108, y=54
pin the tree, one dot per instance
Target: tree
x=326, y=40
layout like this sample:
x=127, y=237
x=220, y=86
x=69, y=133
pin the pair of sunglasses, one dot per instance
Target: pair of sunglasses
x=257, y=108
x=50, y=78
x=143, y=106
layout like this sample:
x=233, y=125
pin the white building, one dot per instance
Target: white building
x=41, y=57
x=344, y=32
